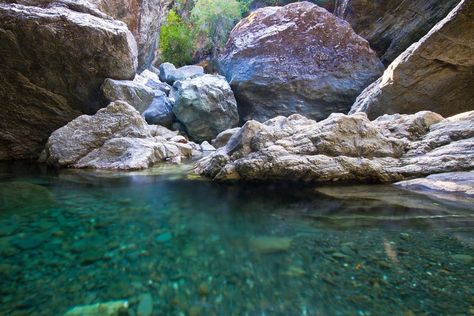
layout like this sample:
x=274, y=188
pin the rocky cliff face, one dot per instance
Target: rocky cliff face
x=436, y=73
x=296, y=59
x=53, y=60
x=391, y=26
x=143, y=18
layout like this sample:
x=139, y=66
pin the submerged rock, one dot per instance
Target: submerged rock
x=170, y=74
x=296, y=59
x=53, y=61
x=433, y=74
x=205, y=106
x=345, y=148
x=116, y=137
x=145, y=306
x=24, y=196
x=113, y=308
x=270, y=244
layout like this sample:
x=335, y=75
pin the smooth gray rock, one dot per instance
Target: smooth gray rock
x=170, y=74
x=450, y=183
x=205, y=146
x=345, y=148
x=136, y=94
x=53, y=62
x=151, y=80
x=296, y=59
x=223, y=137
x=433, y=74
x=205, y=106
x=160, y=111
x=116, y=137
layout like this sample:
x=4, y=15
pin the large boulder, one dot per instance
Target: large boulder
x=436, y=73
x=390, y=26
x=116, y=137
x=143, y=18
x=345, y=148
x=53, y=61
x=296, y=59
x=205, y=106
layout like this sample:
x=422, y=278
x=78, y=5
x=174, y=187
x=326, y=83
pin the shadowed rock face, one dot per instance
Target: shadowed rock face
x=436, y=73
x=53, y=61
x=345, y=148
x=391, y=26
x=296, y=59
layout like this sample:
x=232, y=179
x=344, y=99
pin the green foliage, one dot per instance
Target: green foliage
x=176, y=40
x=214, y=19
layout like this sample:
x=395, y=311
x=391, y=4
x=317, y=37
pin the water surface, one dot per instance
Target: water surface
x=71, y=238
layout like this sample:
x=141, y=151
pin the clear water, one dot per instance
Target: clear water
x=80, y=237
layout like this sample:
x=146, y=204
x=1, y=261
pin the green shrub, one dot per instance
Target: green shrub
x=213, y=20
x=176, y=40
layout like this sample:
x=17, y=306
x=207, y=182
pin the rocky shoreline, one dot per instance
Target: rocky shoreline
x=274, y=113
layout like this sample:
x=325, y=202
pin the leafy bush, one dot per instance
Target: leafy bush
x=214, y=19
x=176, y=40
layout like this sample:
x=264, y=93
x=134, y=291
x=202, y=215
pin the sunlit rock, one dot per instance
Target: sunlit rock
x=116, y=137
x=345, y=148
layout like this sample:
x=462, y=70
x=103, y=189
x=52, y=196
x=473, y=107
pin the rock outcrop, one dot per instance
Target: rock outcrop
x=53, y=61
x=345, y=148
x=296, y=59
x=116, y=137
x=205, y=106
x=436, y=73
